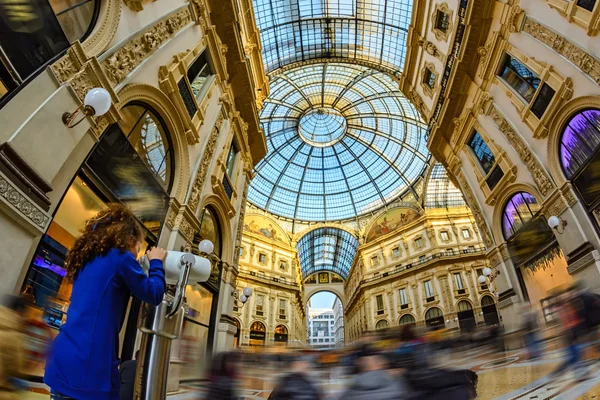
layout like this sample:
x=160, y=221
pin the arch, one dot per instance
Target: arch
x=299, y=235
x=336, y=289
x=382, y=324
x=282, y=329
x=270, y=219
x=327, y=249
x=510, y=191
x=407, y=319
x=258, y=326
x=489, y=310
x=560, y=120
x=216, y=203
x=165, y=109
x=577, y=139
x=464, y=305
x=433, y=312
x=105, y=28
x=487, y=300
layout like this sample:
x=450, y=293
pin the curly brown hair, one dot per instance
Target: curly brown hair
x=113, y=227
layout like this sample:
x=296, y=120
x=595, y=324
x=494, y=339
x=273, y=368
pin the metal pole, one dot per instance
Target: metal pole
x=159, y=326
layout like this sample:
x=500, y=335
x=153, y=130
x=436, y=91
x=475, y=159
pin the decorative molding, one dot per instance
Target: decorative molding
x=537, y=171
x=430, y=49
x=477, y=214
x=105, y=29
x=136, y=5
x=207, y=157
x=440, y=35
x=13, y=198
x=583, y=60
x=125, y=59
x=569, y=10
x=419, y=104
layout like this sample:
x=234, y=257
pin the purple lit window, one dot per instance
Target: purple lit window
x=518, y=210
x=580, y=140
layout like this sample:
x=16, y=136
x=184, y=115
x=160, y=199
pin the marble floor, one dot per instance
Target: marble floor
x=502, y=376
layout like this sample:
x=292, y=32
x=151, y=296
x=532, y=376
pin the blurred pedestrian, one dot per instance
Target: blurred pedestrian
x=531, y=332
x=572, y=324
x=11, y=346
x=373, y=382
x=297, y=385
x=83, y=361
x=223, y=377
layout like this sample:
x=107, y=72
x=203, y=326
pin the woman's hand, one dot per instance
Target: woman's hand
x=156, y=253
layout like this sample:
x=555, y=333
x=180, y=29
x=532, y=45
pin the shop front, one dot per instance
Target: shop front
x=132, y=163
x=434, y=317
x=281, y=336
x=490, y=313
x=466, y=316
x=258, y=334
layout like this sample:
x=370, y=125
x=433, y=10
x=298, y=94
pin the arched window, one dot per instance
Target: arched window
x=147, y=134
x=211, y=229
x=464, y=306
x=258, y=327
x=281, y=330
x=519, y=209
x=383, y=324
x=433, y=313
x=487, y=301
x=407, y=319
x=580, y=140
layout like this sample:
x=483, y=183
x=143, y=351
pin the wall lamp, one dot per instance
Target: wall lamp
x=246, y=293
x=555, y=223
x=97, y=102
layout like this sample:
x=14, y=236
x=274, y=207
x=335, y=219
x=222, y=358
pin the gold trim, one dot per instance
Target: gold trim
x=444, y=8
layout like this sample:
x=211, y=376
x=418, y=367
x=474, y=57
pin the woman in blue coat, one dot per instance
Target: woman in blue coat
x=84, y=363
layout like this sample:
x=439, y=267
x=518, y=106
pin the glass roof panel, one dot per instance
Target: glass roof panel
x=326, y=249
x=441, y=192
x=349, y=137
x=371, y=31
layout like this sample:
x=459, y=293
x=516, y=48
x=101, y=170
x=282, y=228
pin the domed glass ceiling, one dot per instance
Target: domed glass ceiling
x=342, y=141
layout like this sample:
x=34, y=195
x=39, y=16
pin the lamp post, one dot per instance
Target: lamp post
x=488, y=278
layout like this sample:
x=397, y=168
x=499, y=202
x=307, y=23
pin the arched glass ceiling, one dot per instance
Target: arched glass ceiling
x=342, y=141
x=372, y=32
x=326, y=249
x=441, y=192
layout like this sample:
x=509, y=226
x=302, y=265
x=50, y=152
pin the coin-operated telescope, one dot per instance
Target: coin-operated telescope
x=163, y=323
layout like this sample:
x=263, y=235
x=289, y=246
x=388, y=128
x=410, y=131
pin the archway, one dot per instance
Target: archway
x=281, y=335
x=490, y=313
x=258, y=334
x=325, y=320
x=407, y=319
x=434, y=318
x=382, y=325
x=466, y=316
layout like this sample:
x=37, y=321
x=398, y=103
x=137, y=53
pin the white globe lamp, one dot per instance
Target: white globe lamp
x=487, y=271
x=247, y=292
x=206, y=246
x=243, y=298
x=481, y=279
x=99, y=99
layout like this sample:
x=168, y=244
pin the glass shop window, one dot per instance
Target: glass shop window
x=198, y=75
x=33, y=33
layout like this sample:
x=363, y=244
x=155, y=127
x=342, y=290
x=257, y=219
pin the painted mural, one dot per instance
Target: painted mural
x=390, y=221
x=264, y=227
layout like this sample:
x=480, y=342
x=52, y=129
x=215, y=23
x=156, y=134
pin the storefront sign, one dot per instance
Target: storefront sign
x=255, y=335
x=281, y=337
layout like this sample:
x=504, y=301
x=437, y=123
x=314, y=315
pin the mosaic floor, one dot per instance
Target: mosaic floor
x=502, y=376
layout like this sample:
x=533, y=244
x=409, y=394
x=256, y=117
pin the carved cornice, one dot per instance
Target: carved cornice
x=136, y=5
x=589, y=259
x=22, y=206
x=586, y=62
x=126, y=58
x=537, y=171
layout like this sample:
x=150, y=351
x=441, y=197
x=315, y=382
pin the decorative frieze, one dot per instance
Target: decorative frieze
x=587, y=63
x=125, y=59
x=535, y=168
x=589, y=259
x=22, y=205
x=203, y=169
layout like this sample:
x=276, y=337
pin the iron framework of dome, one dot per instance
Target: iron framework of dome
x=342, y=141
x=364, y=32
x=326, y=249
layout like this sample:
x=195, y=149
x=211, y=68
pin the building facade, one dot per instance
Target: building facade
x=338, y=323
x=320, y=328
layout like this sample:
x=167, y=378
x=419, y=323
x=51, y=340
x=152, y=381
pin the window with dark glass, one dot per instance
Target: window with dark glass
x=542, y=100
x=428, y=288
x=379, y=300
x=383, y=324
x=494, y=178
x=519, y=209
x=580, y=141
x=442, y=21
x=198, y=75
x=586, y=4
x=524, y=81
x=262, y=258
x=403, y=296
x=429, y=78
x=407, y=319
x=231, y=158
x=35, y=32
x=419, y=242
x=482, y=152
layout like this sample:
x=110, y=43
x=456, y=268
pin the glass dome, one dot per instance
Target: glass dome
x=342, y=141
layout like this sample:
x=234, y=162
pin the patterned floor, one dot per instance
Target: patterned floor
x=502, y=376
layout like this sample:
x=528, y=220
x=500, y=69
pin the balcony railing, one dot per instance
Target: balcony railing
x=443, y=254
x=266, y=277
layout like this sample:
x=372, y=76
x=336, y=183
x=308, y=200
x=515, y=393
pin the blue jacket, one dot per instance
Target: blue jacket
x=84, y=362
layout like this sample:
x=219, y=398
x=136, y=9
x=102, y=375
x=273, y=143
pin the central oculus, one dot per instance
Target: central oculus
x=322, y=127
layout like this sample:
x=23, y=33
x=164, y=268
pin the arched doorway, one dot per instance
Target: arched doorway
x=434, y=317
x=382, y=325
x=466, y=316
x=238, y=330
x=281, y=335
x=488, y=307
x=325, y=325
x=258, y=334
x=133, y=164
x=407, y=320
